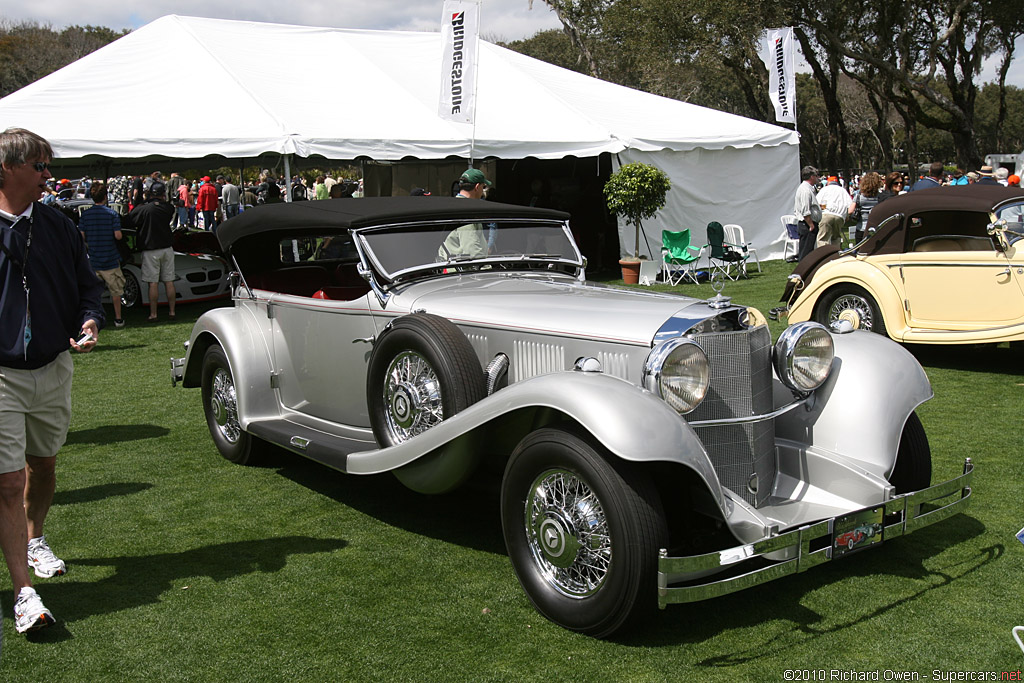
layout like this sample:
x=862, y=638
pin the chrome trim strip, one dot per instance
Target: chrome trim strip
x=911, y=518
x=751, y=418
x=911, y=264
x=928, y=330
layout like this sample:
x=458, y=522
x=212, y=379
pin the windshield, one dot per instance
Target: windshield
x=437, y=246
x=1013, y=214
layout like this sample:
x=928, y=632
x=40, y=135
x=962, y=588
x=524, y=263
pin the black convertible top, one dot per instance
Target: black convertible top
x=286, y=219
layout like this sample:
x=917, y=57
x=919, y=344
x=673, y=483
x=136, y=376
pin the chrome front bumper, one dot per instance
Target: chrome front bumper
x=908, y=511
x=177, y=370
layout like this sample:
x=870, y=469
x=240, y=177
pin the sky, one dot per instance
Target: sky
x=500, y=19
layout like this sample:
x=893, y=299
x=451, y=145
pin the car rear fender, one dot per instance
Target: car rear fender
x=860, y=411
x=239, y=333
x=852, y=272
x=630, y=422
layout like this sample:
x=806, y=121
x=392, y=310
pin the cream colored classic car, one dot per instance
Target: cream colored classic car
x=939, y=266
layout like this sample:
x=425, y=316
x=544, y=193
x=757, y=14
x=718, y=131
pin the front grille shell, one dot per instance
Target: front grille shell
x=743, y=455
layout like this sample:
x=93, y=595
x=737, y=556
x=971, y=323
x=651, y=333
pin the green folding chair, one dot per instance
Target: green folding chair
x=678, y=257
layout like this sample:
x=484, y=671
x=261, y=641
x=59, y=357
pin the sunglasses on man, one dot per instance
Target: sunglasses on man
x=40, y=166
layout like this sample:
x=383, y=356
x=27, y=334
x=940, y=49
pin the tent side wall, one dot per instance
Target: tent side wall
x=751, y=187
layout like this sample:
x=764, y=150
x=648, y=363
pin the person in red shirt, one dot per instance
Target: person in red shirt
x=207, y=203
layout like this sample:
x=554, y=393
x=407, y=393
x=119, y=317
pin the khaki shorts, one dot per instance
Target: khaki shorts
x=35, y=410
x=113, y=279
x=158, y=265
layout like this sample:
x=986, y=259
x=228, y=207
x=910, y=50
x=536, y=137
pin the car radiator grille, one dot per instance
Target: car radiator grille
x=741, y=385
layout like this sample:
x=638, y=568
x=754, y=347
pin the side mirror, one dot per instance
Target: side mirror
x=997, y=231
x=996, y=227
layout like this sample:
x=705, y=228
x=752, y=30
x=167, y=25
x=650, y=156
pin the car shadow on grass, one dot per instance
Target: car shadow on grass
x=145, y=579
x=91, y=494
x=103, y=347
x=470, y=516
x=784, y=601
x=971, y=358
x=109, y=434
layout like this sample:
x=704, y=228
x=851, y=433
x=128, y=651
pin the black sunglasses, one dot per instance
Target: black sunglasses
x=40, y=166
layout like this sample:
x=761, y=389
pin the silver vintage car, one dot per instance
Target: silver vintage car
x=656, y=449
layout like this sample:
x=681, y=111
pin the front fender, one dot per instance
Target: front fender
x=860, y=410
x=238, y=332
x=630, y=422
x=852, y=272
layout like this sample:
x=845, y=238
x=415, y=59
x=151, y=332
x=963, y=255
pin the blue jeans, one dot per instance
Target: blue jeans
x=208, y=221
x=183, y=216
x=230, y=211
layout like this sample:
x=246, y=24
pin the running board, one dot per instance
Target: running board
x=322, y=447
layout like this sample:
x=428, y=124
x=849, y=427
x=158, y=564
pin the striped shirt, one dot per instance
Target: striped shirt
x=99, y=223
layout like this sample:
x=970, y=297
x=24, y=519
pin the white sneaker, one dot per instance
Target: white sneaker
x=30, y=613
x=42, y=559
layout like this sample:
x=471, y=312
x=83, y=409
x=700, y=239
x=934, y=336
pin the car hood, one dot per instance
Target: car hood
x=552, y=305
x=204, y=261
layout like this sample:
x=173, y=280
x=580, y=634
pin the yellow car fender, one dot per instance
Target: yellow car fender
x=852, y=271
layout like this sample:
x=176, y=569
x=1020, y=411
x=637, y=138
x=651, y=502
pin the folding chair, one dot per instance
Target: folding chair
x=678, y=257
x=792, y=235
x=724, y=255
x=734, y=235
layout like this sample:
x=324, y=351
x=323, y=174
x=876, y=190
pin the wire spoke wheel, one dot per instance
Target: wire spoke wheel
x=567, y=532
x=220, y=405
x=583, y=529
x=224, y=407
x=853, y=304
x=853, y=308
x=412, y=396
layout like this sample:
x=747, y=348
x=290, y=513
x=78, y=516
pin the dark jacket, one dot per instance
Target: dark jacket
x=64, y=291
x=153, y=220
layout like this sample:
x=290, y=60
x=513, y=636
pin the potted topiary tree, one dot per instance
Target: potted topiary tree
x=636, y=192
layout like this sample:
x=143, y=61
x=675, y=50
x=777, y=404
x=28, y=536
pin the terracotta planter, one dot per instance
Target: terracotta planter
x=630, y=272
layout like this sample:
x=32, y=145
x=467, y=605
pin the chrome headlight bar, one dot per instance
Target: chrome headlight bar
x=678, y=372
x=803, y=356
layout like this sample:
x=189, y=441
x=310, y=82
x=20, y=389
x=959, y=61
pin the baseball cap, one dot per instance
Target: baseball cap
x=157, y=188
x=205, y=178
x=475, y=175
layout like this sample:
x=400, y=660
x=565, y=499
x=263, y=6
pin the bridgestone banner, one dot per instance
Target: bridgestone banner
x=460, y=26
x=779, y=55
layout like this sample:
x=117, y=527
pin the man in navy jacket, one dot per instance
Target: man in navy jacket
x=49, y=298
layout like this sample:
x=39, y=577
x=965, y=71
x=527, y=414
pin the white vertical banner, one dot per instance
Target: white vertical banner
x=779, y=55
x=460, y=28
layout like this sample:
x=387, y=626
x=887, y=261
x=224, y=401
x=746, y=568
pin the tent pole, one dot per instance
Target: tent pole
x=287, y=177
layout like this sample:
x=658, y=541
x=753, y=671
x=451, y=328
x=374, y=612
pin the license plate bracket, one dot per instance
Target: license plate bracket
x=857, y=530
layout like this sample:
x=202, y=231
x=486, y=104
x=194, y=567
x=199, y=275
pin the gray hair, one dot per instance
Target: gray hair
x=17, y=145
x=1002, y=173
x=807, y=171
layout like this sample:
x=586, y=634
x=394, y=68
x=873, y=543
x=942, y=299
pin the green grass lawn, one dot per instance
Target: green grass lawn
x=183, y=566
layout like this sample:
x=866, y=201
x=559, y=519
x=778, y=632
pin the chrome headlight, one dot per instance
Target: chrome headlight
x=803, y=356
x=677, y=371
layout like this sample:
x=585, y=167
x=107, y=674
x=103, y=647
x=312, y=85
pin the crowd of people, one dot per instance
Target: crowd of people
x=828, y=206
x=203, y=202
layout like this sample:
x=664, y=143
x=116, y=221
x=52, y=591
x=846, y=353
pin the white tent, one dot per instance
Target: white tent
x=186, y=87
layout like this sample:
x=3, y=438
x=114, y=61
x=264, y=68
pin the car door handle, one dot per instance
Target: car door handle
x=1003, y=272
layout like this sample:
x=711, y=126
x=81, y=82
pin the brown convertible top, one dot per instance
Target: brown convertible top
x=962, y=198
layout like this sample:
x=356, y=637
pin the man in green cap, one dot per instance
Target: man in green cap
x=470, y=239
x=473, y=183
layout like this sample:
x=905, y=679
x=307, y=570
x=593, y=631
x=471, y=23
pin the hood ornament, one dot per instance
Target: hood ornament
x=718, y=284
